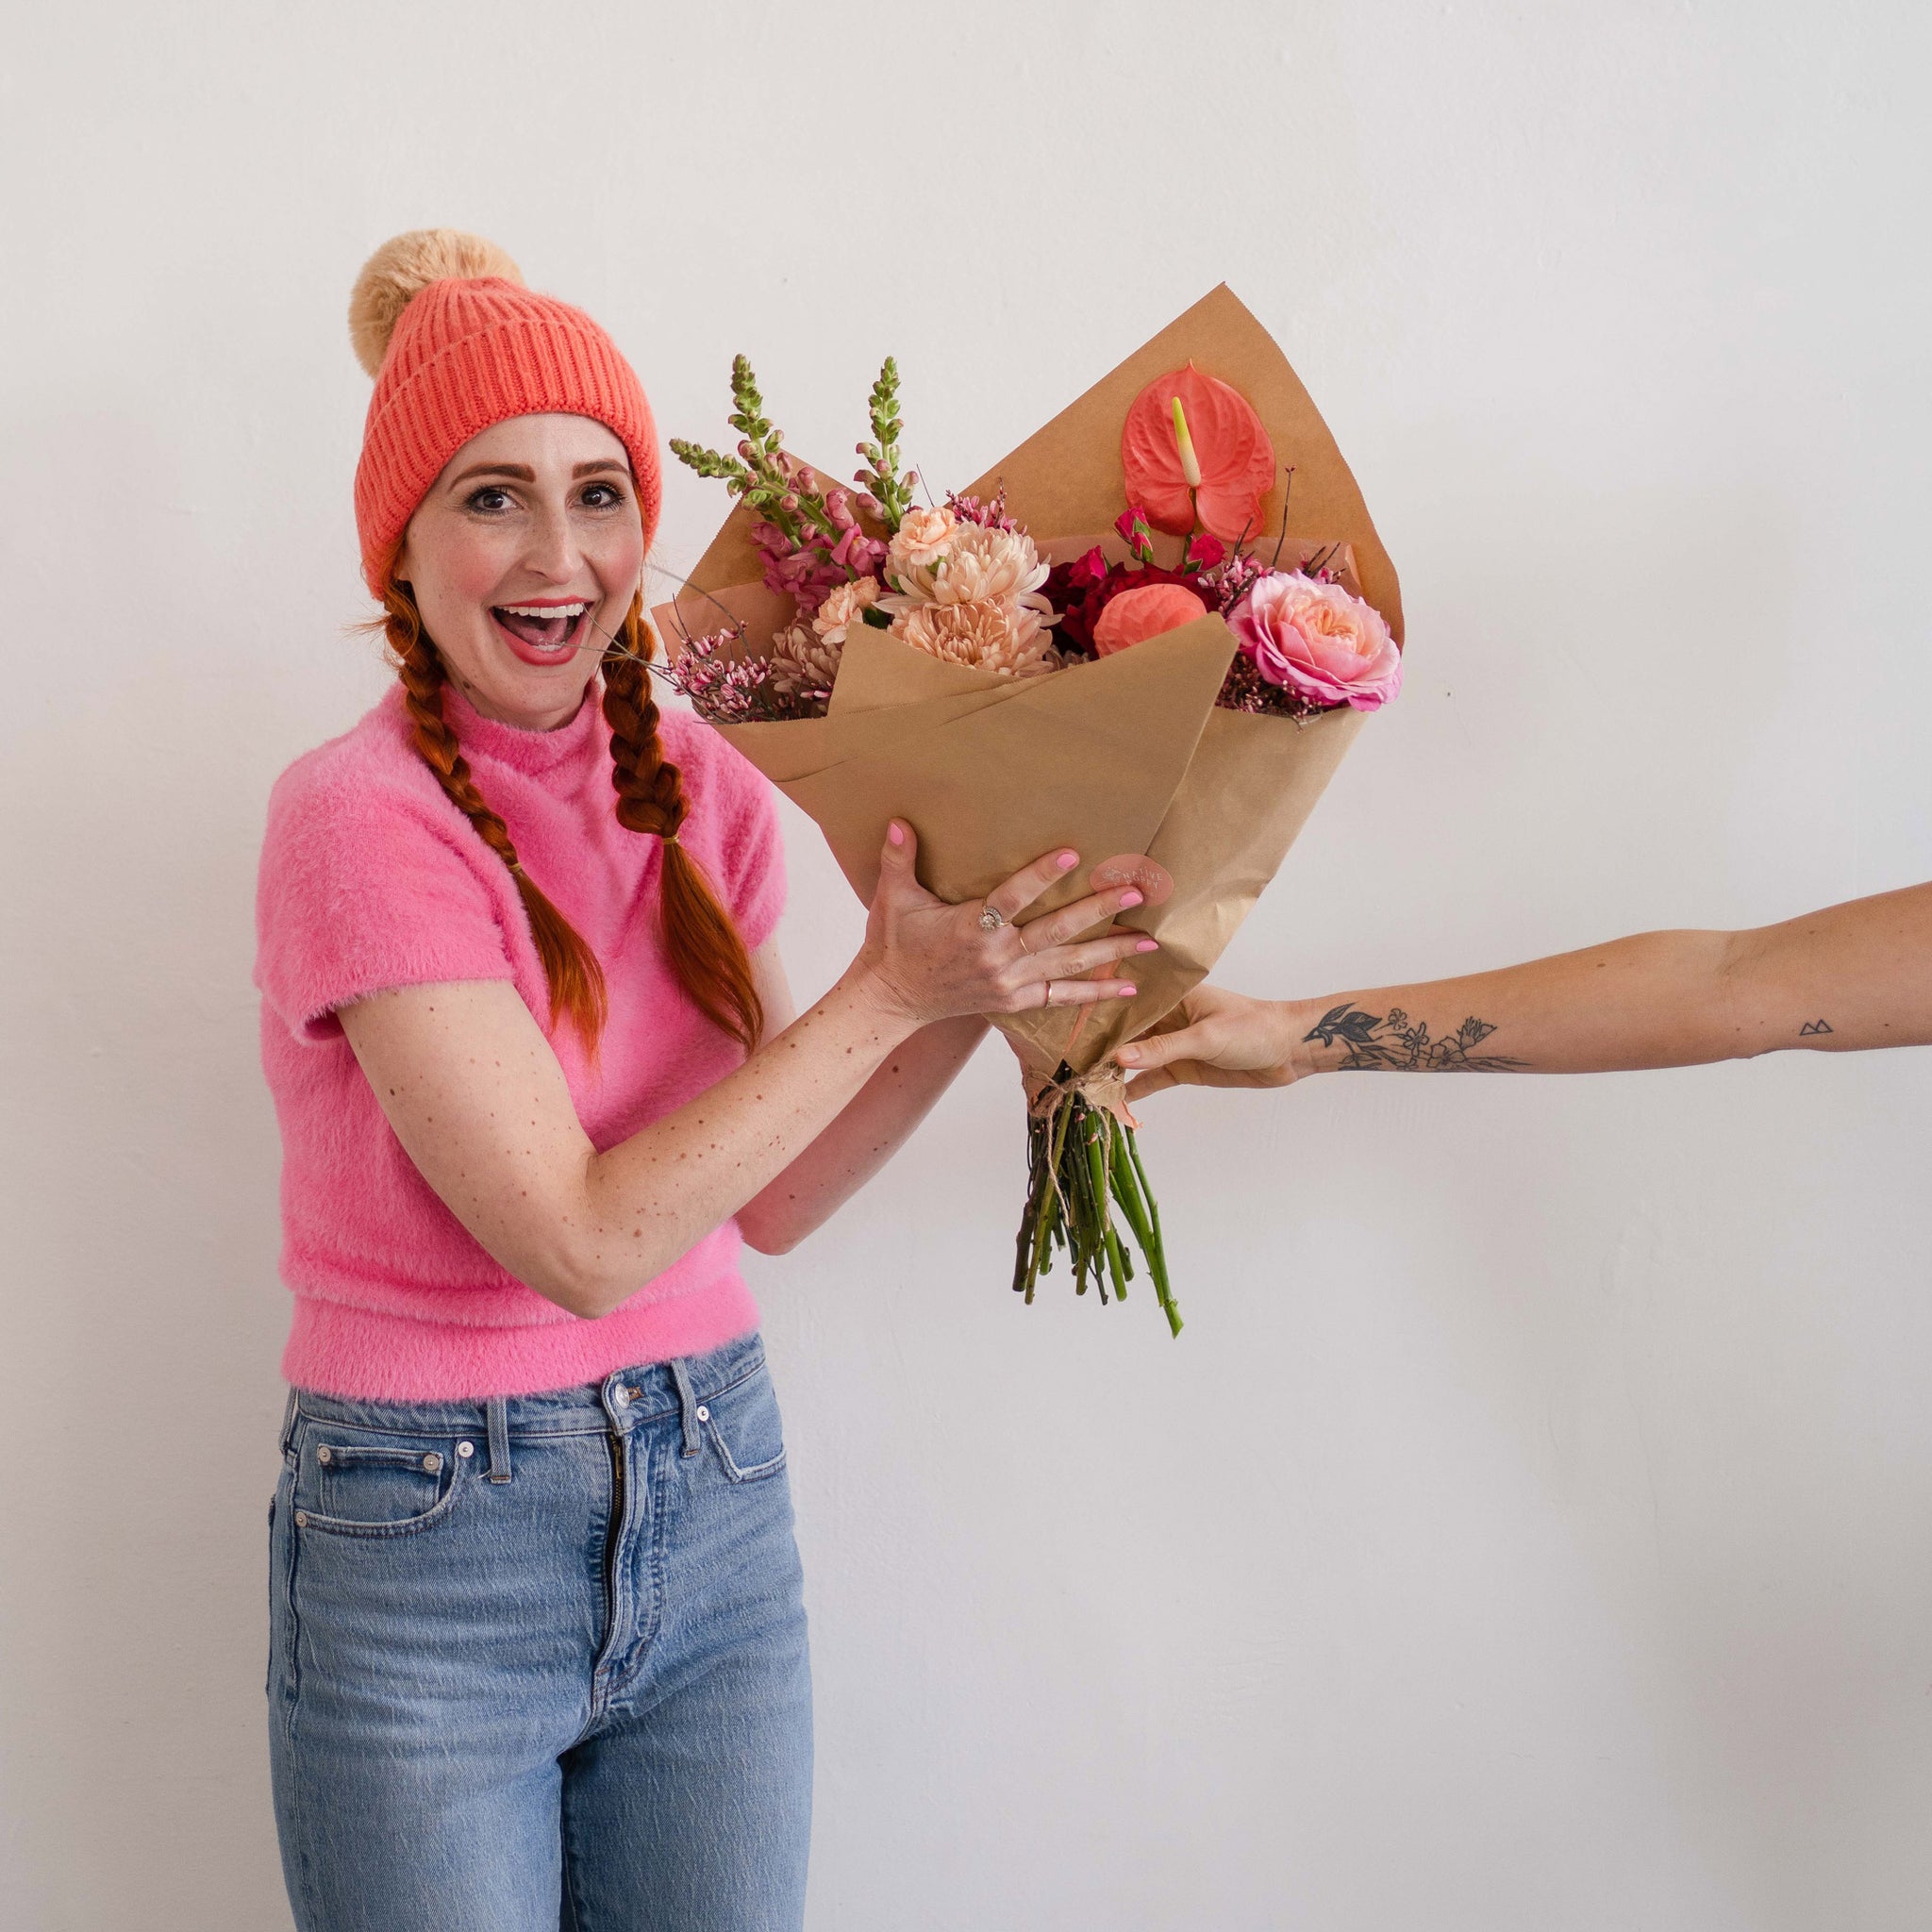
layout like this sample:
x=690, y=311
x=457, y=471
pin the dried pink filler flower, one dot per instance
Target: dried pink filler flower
x=743, y=691
x=991, y=514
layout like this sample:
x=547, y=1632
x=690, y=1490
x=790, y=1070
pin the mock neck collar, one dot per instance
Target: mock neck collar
x=512, y=744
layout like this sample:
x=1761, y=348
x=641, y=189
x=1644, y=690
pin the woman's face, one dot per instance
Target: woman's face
x=523, y=558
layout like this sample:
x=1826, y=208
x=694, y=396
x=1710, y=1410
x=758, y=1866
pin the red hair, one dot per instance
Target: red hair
x=703, y=947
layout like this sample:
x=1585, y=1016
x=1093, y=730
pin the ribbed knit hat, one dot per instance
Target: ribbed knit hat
x=456, y=342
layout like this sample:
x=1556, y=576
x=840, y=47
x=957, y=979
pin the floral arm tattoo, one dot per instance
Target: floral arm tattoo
x=1393, y=1044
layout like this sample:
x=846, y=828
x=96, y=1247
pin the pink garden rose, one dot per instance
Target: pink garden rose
x=1318, y=640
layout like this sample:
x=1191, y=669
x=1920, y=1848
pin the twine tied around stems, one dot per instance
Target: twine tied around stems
x=1104, y=1088
x=1083, y=1163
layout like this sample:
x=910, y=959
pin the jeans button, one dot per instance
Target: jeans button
x=466, y=1449
x=432, y=1462
x=324, y=1453
x=621, y=1398
x=704, y=1413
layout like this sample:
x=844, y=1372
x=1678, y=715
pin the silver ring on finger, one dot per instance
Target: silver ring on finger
x=991, y=919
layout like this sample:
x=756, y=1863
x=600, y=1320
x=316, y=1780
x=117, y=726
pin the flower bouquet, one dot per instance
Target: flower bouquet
x=1115, y=639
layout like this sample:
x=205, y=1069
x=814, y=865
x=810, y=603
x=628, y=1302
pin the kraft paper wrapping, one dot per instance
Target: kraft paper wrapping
x=1127, y=754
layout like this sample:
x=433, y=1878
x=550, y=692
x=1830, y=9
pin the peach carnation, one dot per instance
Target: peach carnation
x=1005, y=635
x=1318, y=642
x=921, y=536
x=841, y=607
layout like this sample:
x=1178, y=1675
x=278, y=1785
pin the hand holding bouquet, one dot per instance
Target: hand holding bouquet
x=1175, y=690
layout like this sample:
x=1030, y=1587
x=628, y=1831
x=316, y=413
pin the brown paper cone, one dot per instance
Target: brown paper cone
x=1125, y=754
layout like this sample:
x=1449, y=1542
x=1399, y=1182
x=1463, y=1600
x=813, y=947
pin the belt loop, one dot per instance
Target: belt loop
x=289, y=1422
x=686, y=1405
x=496, y=1413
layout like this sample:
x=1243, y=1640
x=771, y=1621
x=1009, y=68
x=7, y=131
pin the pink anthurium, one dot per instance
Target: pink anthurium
x=1185, y=426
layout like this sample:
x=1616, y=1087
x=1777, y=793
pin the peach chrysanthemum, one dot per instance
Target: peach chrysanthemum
x=977, y=566
x=1007, y=634
x=803, y=660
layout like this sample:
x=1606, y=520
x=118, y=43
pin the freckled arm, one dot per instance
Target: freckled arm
x=865, y=1135
x=474, y=1093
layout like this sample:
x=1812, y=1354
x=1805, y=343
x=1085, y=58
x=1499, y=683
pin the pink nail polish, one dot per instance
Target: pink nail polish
x=1129, y=898
x=897, y=833
x=1148, y=947
x=1128, y=993
x=1067, y=861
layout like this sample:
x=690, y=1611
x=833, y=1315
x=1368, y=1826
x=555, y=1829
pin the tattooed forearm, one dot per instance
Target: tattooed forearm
x=1813, y=1026
x=1393, y=1043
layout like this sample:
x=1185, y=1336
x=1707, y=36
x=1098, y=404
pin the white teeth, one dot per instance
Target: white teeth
x=570, y=611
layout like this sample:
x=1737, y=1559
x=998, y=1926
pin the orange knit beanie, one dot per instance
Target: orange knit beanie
x=456, y=342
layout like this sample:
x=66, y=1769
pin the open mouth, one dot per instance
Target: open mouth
x=543, y=633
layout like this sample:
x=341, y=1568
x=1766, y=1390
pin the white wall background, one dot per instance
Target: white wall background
x=1534, y=1528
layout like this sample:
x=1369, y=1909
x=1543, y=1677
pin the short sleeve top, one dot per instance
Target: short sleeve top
x=370, y=879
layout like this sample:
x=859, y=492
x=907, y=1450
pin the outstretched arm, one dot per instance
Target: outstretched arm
x=1848, y=978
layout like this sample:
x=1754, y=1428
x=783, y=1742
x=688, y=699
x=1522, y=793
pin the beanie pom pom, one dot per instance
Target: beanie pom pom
x=402, y=268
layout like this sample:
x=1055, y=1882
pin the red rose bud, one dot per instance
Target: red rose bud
x=1132, y=526
x=1085, y=571
x=1206, y=551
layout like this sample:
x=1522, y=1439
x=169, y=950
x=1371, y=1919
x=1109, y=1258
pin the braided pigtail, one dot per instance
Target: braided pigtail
x=703, y=947
x=570, y=967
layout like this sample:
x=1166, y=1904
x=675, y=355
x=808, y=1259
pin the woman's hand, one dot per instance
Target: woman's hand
x=924, y=960
x=1216, y=1038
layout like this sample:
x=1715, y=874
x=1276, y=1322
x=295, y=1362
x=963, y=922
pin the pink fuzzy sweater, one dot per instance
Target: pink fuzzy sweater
x=372, y=878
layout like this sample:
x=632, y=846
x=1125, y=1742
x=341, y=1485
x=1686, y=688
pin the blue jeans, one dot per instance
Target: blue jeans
x=540, y=1663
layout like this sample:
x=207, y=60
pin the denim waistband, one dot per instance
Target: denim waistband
x=625, y=1398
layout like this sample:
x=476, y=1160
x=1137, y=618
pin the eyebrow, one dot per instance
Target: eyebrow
x=522, y=473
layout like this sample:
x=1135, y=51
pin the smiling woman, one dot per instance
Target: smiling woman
x=545, y=552
x=538, y=1639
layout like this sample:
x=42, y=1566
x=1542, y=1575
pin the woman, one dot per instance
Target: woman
x=1851, y=977
x=538, y=1642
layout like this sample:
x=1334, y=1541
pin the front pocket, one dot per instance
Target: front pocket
x=373, y=1489
x=743, y=1429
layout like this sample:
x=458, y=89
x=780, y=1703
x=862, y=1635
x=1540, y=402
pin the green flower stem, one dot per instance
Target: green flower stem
x=1084, y=1165
x=1153, y=1245
x=1099, y=1150
x=1049, y=1138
